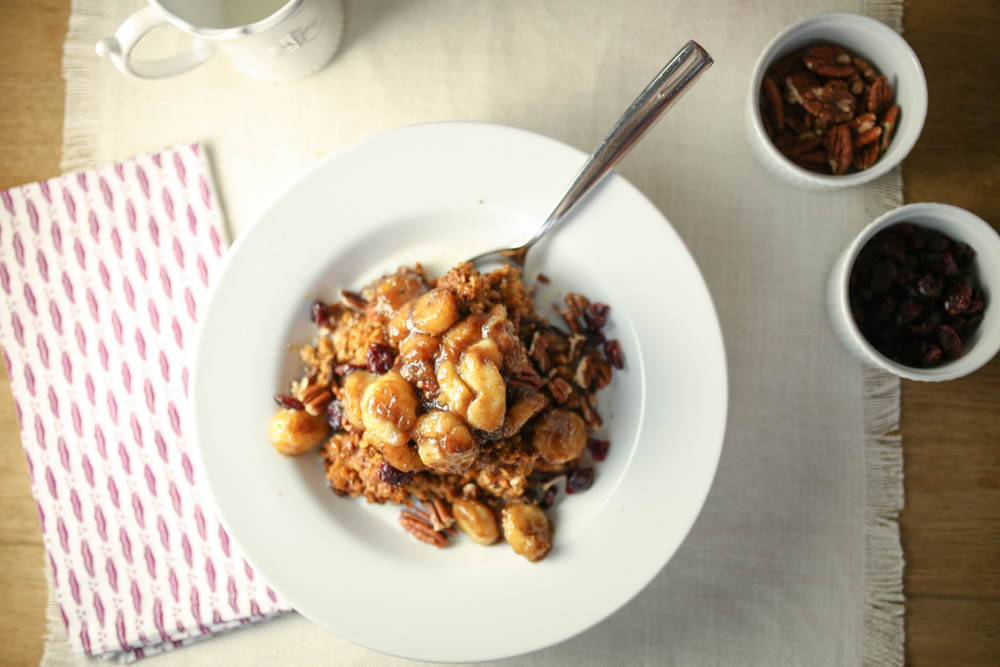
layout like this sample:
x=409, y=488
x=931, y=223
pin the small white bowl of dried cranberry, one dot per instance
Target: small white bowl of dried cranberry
x=835, y=100
x=915, y=293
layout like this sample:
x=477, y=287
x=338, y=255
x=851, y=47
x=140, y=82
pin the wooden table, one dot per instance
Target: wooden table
x=951, y=432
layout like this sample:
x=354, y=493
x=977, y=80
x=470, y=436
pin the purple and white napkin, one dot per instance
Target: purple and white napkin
x=103, y=274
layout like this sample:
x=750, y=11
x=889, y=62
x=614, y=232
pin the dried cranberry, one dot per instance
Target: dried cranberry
x=320, y=311
x=931, y=355
x=928, y=326
x=951, y=342
x=549, y=497
x=937, y=242
x=290, y=402
x=380, y=358
x=596, y=315
x=907, y=231
x=958, y=299
x=977, y=303
x=580, y=479
x=948, y=266
x=613, y=351
x=335, y=415
x=393, y=476
x=594, y=340
x=865, y=261
x=860, y=314
x=964, y=253
x=908, y=312
x=884, y=275
x=912, y=352
x=906, y=275
x=929, y=287
x=972, y=323
x=885, y=310
x=598, y=448
x=891, y=248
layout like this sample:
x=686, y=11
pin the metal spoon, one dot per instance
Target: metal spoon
x=661, y=94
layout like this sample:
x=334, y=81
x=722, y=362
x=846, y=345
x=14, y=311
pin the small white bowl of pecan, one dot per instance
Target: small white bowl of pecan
x=835, y=100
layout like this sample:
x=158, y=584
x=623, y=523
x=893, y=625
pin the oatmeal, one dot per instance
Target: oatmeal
x=455, y=393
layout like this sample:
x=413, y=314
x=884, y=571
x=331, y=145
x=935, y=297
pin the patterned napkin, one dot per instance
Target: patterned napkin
x=103, y=275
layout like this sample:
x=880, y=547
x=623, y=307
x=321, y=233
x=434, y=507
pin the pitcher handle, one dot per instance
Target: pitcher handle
x=119, y=48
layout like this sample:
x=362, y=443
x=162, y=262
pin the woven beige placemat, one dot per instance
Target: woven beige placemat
x=796, y=558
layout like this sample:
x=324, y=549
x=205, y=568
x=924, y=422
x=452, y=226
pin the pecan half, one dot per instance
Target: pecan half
x=796, y=86
x=576, y=344
x=439, y=514
x=790, y=64
x=868, y=137
x=828, y=60
x=785, y=142
x=775, y=102
x=584, y=375
x=808, y=141
x=814, y=157
x=768, y=125
x=879, y=95
x=797, y=120
x=560, y=389
x=862, y=123
x=315, y=398
x=832, y=102
x=866, y=156
x=856, y=84
x=539, y=351
x=529, y=377
x=889, y=124
x=865, y=69
x=841, y=149
x=815, y=161
x=352, y=300
x=588, y=407
x=602, y=373
x=571, y=322
x=421, y=528
x=576, y=303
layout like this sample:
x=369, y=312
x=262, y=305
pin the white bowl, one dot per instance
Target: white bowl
x=885, y=50
x=959, y=225
x=437, y=193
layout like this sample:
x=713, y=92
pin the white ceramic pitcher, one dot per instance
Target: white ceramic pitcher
x=267, y=39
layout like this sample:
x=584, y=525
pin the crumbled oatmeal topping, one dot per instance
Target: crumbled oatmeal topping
x=456, y=393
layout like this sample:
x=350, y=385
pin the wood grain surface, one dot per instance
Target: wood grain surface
x=951, y=431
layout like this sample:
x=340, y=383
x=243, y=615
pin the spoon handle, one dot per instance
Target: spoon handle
x=662, y=92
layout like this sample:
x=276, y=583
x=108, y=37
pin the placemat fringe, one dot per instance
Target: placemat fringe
x=56, y=651
x=884, y=631
x=86, y=20
x=884, y=601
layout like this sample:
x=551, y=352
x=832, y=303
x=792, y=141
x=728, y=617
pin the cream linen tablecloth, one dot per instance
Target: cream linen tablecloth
x=795, y=559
